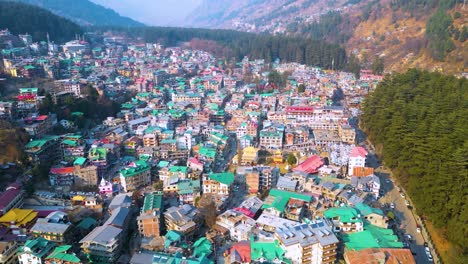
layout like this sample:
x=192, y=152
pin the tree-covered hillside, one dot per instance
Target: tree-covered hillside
x=22, y=18
x=256, y=46
x=84, y=12
x=419, y=121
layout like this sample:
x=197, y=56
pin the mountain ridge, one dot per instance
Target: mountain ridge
x=83, y=12
x=36, y=21
x=403, y=44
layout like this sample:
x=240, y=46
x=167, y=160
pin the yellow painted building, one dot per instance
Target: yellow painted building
x=249, y=155
x=278, y=156
x=18, y=217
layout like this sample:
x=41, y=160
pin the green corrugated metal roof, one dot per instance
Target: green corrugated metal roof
x=187, y=187
x=79, y=161
x=181, y=169
x=208, y=152
x=202, y=247
x=140, y=166
x=153, y=201
x=87, y=223
x=346, y=214
x=60, y=253
x=172, y=236
x=163, y=164
x=279, y=199
x=271, y=251
x=70, y=142
x=372, y=237
x=223, y=177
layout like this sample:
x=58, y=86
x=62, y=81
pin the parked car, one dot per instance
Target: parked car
x=406, y=202
x=402, y=194
x=428, y=250
x=426, y=244
x=429, y=257
x=418, y=228
x=392, y=205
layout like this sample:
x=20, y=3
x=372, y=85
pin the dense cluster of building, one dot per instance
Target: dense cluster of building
x=201, y=163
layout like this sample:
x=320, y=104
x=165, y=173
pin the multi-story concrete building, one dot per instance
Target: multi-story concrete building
x=149, y=220
x=8, y=252
x=85, y=174
x=73, y=147
x=357, y=158
x=103, y=245
x=183, y=219
x=173, y=174
x=218, y=183
x=135, y=175
x=249, y=156
x=346, y=219
x=73, y=87
x=46, y=149
x=37, y=126
x=35, y=251
x=12, y=197
x=300, y=113
x=62, y=177
x=271, y=139
x=313, y=243
x=347, y=133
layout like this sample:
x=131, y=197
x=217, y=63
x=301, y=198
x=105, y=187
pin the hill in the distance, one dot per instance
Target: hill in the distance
x=427, y=34
x=36, y=21
x=84, y=12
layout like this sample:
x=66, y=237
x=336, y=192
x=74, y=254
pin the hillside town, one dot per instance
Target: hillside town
x=206, y=160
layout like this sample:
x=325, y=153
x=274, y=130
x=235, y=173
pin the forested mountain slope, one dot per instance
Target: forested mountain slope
x=427, y=34
x=417, y=121
x=36, y=21
x=84, y=12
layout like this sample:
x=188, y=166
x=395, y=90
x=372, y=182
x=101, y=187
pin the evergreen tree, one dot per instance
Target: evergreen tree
x=378, y=65
x=292, y=160
x=420, y=120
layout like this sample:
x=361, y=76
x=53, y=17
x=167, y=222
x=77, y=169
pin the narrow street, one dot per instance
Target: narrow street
x=407, y=223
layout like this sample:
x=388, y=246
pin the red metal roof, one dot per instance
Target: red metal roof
x=358, y=152
x=299, y=109
x=243, y=249
x=66, y=170
x=244, y=211
x=310, y=165
x=11, y=192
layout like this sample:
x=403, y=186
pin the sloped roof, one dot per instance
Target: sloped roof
x=61, y=171
x=310, y=165
x=345, y=214
x=241, y=252
x=365, y=209
x=18, y=216
x=372, y=237
x=202, y=247
x=270, y=250
x=87, y=223
x=223, y=177
x=358, y=152
x=9, y=194
x=39, y=246
x=380, y=255
x=102, y=235
x=61, y=254
x=278, y=199
x=152, y=201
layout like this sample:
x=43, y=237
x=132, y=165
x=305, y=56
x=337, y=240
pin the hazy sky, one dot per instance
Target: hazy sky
x=153, y=12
